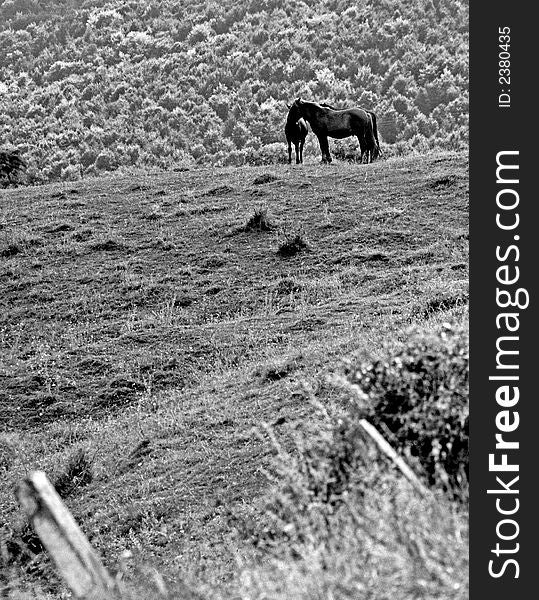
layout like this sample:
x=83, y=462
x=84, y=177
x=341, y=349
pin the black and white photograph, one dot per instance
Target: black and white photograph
x=234, y=300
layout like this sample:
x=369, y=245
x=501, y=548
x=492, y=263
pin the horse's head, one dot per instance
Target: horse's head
x=294, y=111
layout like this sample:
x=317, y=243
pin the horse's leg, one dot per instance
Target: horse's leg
x=365, y=153
x=371, y=142
x=325, y=150
x=362, y=148
x=323, y=143
x=301, y=144
x=289, y=151
x=296, y=146
x=368, y=151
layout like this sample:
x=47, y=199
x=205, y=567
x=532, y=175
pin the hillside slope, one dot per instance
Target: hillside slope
x=141, y=308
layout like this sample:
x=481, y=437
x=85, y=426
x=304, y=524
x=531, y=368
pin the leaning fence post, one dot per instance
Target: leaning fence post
x=385, y=447
x=69, y=548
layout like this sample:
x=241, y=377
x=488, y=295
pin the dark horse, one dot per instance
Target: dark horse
x=338, y=124
x=374, y=126
x=296, y=132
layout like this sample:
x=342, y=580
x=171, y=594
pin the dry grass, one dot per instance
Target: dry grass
x=119, y=328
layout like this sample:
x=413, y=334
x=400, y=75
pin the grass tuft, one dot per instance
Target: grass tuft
x=108, y=245
x=7, y=452
x=265, y=178
x=444, y=301
x=278, y=369
x=153, y=213
x=259, y=221
x=77, y=474
x=292, y=245
x=17, y=243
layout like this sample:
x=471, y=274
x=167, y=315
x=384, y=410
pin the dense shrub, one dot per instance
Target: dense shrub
x=347, y=149
x=11, y=165
x=420, y=396
x=268, y=154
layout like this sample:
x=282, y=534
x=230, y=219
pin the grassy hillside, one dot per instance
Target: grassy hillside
x=144, y=325
x=94, y=85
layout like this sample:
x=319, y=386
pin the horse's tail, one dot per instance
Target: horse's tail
x=374, y=125
x=375, y=132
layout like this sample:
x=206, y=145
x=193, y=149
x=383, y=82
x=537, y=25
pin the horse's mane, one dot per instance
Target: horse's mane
x=326, y=105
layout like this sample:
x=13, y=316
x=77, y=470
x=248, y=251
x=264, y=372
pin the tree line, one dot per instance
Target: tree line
x=95, y=85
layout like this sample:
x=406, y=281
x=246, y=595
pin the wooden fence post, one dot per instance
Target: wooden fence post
x=69, y=548
x=385, y=447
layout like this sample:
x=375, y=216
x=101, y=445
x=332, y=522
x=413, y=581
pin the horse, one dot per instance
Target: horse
x=337, y=124
x=374, y=126
x=296, y=132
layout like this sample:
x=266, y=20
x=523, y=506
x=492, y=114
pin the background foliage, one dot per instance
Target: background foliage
x=93, y=85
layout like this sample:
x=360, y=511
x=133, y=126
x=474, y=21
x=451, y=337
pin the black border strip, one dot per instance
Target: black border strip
x=496, y=126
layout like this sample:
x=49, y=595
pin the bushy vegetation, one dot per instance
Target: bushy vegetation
x=11, y=166
x=420, y=397
x=339, y=521
x=94, y=85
